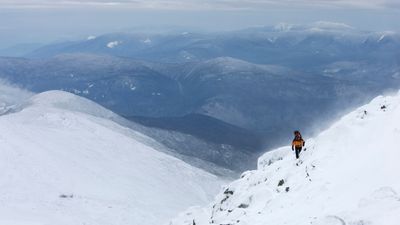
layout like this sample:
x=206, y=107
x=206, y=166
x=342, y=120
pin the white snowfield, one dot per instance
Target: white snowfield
x=62, y=162
x=349, y=175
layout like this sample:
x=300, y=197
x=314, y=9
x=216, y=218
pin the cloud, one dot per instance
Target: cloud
x=199, y=4
x=11, y=96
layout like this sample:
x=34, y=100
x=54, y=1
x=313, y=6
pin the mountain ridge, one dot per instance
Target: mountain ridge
x=65, y=162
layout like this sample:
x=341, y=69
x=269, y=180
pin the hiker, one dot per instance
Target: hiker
x=297, y=143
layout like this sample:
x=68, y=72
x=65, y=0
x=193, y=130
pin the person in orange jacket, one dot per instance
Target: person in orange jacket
x=297, y=143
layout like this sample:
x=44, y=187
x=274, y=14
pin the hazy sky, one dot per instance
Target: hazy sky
x=29, y=21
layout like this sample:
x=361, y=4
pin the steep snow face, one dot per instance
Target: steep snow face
x=62, y=162
x=348, y=175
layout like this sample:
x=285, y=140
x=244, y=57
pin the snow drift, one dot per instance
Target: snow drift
x=62, y=161
x=349, y=174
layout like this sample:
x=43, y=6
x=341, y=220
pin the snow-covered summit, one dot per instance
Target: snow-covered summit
x=348, y=175
x=63, y=162
x=315, y=26
x=68, y=101
x=328, y=25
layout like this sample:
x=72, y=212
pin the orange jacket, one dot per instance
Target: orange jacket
x=298, y=142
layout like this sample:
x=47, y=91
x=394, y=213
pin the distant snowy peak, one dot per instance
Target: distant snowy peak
x=331, y=25
x=386, y=35
x=346, y=175
x=283, y=27
x=147, y=41
x=91, y=38
x=225, y=61
x=316, y=26
x=113, y=44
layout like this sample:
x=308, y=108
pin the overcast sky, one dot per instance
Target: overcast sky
x=194, y=4
x=29, y=21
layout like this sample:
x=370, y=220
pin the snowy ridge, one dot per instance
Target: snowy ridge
x=331, y=25
x=348, y=175
x=63, y=162
x=70, y=102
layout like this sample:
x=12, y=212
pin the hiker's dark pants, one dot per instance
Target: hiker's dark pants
x=298, y=150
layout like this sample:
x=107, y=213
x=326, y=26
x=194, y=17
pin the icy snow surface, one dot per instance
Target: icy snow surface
x=63, y=162
x=349, y=174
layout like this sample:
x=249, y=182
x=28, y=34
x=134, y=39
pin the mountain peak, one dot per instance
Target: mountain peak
x=68, y=101
x=331, y=25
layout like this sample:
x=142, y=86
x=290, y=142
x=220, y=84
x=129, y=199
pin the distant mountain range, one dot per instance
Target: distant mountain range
x=284, y=44
x=245, y=91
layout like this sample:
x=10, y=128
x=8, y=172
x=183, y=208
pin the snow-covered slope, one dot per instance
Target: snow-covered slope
x=349, y=174
x=63, y=162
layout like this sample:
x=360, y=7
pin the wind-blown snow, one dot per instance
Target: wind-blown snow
x=348, y=175
x=63, y=162
x=11, y=97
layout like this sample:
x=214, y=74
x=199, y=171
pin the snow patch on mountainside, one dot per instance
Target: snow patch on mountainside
x=283, y=27
x=91, y=38
x=384, y=35
x=113, y=44
x=63, y=162
x=347, y=175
